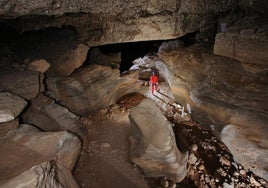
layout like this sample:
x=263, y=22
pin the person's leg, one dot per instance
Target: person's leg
x=153, y=85
x=156, y=87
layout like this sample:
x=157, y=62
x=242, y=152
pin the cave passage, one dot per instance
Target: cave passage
x=131, y=51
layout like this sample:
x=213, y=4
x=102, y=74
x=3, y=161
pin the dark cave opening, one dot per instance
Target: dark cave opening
x=130, y=51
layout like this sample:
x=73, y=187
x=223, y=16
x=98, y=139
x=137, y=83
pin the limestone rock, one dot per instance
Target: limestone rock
x=247, y=148
x=66, y=63
x=106, y=22
x=11, y=106
x=8, y=126
x=244, y=43
x=39, y=65
x=91, y=88
x=27, y=84
x=153, y=145
x=219, y=87
x=31, y=158
x=49, y=116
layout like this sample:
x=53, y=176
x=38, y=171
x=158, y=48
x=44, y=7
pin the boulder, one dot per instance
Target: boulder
x=91, y=88
x=39, y=65
x=248, y=148
x=27, y=84
x=11, y=106
x=30, y=158
x=72, y=59
x=152, y=143
x=49, y=116
x=8, y=126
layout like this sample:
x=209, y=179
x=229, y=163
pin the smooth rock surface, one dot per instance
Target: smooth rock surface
x=91, y=88
x=247, y=148
x=153, y=145
x=66, y=63
x=39, y=65
x=11, y=106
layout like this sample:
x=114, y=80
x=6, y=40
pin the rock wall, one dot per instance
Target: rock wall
x=245, y=40
x=31, y=158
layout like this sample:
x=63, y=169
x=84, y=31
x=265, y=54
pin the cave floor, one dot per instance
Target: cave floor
x=105, y=163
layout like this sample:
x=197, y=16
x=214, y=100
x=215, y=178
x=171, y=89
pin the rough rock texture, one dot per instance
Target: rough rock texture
x=37, y=158
x=49, y=116
x=153, y=145
x=66, y=63
x=103, y=22
x=246, y=41
x=91, y=88
x=254, y=156
x=27, y=84
x=11, y=106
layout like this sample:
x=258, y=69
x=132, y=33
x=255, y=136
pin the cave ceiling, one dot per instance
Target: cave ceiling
x=117, y=21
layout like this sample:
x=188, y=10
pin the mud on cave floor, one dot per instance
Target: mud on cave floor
x=104, y=160
x=105, y=163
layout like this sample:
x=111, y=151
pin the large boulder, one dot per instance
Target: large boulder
x=11, y=106
x=91, y=88
x=27, y=84
x=248, y=148
x=152, y=143
x=30, y=158
x=72, y=59
x=49, y=116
